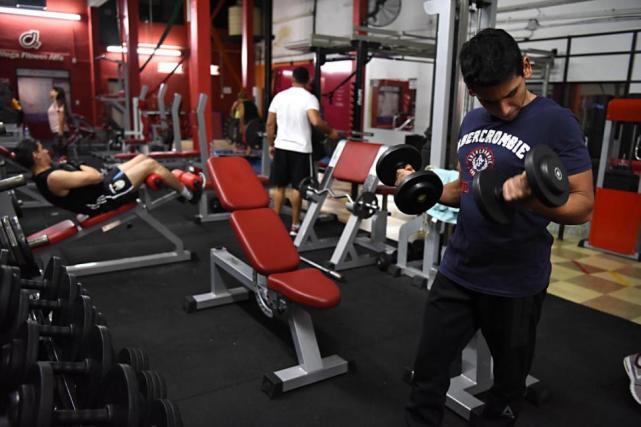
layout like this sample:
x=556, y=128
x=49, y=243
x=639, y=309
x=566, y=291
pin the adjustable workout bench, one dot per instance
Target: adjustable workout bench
x=353, y=162
x=68, y=230
x=272, y=274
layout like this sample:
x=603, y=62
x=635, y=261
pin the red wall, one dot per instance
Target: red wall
x=71, y=39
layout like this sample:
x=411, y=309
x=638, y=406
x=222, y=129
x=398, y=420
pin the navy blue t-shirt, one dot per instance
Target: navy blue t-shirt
x=508, y=260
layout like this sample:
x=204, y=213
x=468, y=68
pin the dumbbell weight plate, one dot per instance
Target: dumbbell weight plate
x=31, y=268
x=4, y=256
x=165, y=413
x=487, y=188
x=547, y=176
x=79, y=313
x=134, y=357
x=4, y=244
x=120, y=389
x=418, y=192
x=100, y=351
x=23, y=356
x=12, y=242
x=365, y=205
x=6, y=277
x=305, y=184
x=394, y=158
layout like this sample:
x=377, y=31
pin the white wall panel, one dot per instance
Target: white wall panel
x=598, y=68
x=602, y=44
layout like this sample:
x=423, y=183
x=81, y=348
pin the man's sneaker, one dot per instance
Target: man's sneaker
x=632, y=364
x=294, y=230
x=198, y=190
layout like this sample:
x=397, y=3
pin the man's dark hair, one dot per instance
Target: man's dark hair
x=301, y=75
x=490, y=58
x=24, y=152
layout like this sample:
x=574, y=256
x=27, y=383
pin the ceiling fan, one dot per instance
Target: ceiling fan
x=381, y=13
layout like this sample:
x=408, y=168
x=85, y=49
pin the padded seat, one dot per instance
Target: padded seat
x=264, y=240
x=385, y=190
x=56, y=233
x=307, y=287
x=236, y=184
x=97, y=219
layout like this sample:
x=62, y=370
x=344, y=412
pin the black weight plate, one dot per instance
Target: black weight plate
x=22, y=411
x=165, y=413
x=51, y=278
x=253, y=131
x=43, y=380
x=79, y=314
x=99, y=352
x=31, y=267
x=6, y=290
x=120, y=389
x=134, y=357
x=547, y=176
x=365, y=205
x=307, y=182
x=4, y=244
x=4, y=256
x=12, y=243
x=395, y=158
x=487, y=187
x=418, y=192
x=28, y=338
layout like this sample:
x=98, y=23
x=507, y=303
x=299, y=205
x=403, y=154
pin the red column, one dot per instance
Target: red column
x=94, y=34
x=248, y=44
x=129, y=27
x=359, y=13
x=199, y=64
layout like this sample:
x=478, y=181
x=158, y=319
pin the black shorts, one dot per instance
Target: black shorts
x=290, y=167
x=117, y=190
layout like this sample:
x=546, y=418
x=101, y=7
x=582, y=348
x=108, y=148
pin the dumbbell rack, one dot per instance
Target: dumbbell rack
x=62, y=393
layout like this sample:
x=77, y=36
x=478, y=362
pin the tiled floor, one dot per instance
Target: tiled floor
x=604, y=282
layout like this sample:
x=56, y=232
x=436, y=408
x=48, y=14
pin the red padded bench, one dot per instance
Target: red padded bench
x=272, y=273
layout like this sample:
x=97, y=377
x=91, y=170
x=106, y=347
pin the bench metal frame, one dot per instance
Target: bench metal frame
x=345, y=255
x=178, y=254
x=311, y=367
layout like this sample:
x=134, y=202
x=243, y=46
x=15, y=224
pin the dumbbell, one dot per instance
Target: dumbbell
x=77, y=318
x=165, y=413
x=19, y=357
x=135, y=357
x=546, y=176
x=307, y=187
x=10, y=291
x=418, y=191
x=118, y=405
x=12, y=238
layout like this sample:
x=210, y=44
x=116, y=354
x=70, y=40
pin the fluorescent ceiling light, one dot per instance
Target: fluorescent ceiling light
x=40, y=13
x=168, y=67
x=146, y=51
x=214, y=70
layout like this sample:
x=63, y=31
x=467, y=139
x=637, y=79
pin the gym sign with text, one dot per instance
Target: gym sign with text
x=30, y=39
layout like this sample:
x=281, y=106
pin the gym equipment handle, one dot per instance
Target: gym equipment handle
x=12, y=182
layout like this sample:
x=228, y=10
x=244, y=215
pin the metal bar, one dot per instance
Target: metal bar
x=536, y=5
x=247, y=57
x=267, y=48
x=175, y=122
x=334, y=274
x=631, y=63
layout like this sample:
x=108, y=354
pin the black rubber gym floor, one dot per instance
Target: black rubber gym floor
x=214, y=360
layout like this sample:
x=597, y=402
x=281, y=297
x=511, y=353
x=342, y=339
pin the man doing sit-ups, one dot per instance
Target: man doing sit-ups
x=86, y=190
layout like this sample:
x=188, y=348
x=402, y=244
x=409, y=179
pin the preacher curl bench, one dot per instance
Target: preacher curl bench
x=272, y=274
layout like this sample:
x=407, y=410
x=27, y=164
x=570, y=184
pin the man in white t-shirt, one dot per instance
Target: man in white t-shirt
x=295, y=111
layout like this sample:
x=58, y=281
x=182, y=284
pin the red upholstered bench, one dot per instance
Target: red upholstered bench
x=56, y=233
x=103, y=217
x=307, y=286
x=5, y=152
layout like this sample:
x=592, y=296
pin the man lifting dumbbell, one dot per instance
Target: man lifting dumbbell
x=494, y=277
x=83, y=189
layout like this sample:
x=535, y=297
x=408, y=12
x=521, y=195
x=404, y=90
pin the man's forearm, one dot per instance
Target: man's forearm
x=577, y=210
x=323, y=127
x=270, y=135
x=451, y=195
